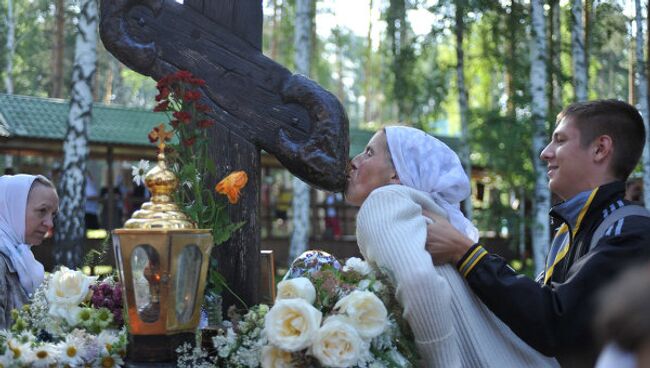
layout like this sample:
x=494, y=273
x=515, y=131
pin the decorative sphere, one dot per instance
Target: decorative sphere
x=310, y=262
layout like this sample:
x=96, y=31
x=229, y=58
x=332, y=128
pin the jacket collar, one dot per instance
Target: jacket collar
x=573, y=211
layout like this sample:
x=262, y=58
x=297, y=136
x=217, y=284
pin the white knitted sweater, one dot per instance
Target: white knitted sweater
x=452, y=327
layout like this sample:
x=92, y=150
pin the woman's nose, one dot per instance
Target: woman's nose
x=49, y=221
x=353, y=163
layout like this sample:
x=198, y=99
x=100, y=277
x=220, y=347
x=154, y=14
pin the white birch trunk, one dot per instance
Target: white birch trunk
x=642, y=93
x=11, y=48
x=580, y=78
x=557, y=65
x=301, y=199
x=71, y=229
x=541, y=199
x=462, y=101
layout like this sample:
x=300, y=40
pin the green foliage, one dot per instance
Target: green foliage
x=179, y=97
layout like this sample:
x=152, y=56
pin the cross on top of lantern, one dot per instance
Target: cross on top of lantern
x=162, y=259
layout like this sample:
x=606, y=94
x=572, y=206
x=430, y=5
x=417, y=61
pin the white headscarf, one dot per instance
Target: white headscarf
x=13, y=204
x=423, y=162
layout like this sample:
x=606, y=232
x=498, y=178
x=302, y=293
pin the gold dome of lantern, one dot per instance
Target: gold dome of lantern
x=161, y=212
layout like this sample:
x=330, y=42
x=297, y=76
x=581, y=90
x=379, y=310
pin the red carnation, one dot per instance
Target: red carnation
x=205, y=123
x=189, y=142
x=163, y=106
x=202, y=108
x=163, y=81
x=183, y=116
x=192, y=96
x=184, y=75
x=163, y=93
x=197, y=82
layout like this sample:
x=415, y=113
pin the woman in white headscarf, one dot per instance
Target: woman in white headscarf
x=402, y=172
x=28, y=205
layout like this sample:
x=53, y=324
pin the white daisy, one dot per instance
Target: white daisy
x=140, y=171
x=108, y=361
x=107, y=339
x=43, y=356
x=68, y=351
x=17, y=351
x=5, y=360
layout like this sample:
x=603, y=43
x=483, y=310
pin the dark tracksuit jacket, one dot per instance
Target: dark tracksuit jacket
x=555, y=313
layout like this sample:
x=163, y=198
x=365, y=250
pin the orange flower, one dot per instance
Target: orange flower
x=231, y=185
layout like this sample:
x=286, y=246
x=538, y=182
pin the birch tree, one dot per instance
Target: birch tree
x=541, y=200
x=70, y=233
x=367, y=67
x=11, y=48
x=578, y=51
x=555, y=50
x=462, y=98
x=300, y=201
x=642, y=94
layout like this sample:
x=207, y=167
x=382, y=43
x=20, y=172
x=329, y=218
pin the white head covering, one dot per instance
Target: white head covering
x=13, y=204
x=423, y=162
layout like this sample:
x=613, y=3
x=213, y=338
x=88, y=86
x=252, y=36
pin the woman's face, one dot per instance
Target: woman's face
x=42, y=206
x=370, y=170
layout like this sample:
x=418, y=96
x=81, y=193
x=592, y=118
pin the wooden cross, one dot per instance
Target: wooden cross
x=258, y=104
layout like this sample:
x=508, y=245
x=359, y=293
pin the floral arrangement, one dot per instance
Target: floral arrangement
x=325, y=315
x=179, y=97
x=72, y=320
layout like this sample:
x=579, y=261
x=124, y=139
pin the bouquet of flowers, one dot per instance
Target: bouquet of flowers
x=325, y=315
x=72, y=320
x=180, y=98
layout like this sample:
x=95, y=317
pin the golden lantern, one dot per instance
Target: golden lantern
x=163, y=262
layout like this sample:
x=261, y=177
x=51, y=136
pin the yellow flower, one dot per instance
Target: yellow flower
x=231, y=185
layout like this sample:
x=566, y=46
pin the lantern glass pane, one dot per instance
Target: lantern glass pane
x=145, y=265
x=187, y=282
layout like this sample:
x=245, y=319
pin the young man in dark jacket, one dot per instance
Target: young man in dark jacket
x=594, y=148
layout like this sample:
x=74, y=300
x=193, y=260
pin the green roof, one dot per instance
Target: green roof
x=46, y=118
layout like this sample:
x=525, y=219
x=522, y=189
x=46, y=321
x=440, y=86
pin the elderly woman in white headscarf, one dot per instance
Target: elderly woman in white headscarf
x=28, y=205
x=402, y=172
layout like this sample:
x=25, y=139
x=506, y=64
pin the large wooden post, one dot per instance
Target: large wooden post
x=258, y=104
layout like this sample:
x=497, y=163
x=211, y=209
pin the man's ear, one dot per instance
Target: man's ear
x=603, y=148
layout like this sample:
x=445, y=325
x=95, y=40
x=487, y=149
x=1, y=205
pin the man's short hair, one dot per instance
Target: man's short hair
x=616, y=119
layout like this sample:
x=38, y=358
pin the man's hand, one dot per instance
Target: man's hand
x=444, y=242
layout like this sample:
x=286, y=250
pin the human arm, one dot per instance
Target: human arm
x=444, y=242
x=391, y=232
x=555, y=318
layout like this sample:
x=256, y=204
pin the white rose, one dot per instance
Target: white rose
x=65, y=291
x=365, y=311
x=273, y=357
x=300, y=287
x=337, y=343
x=291, y=324
x=357, y=265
